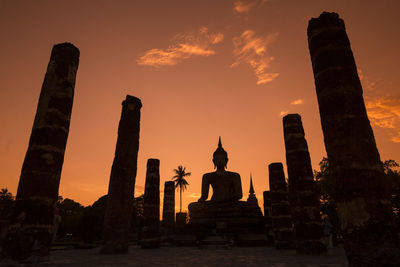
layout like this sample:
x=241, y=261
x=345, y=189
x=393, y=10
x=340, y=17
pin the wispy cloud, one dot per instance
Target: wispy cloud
x=139, y=190
x=245, y=6
x=253, y=50
x=360, y=74
x=385, y=113
x=297, y=102
x=283, y=113
x=183, y=46
x=194, y=195
x=368, y=85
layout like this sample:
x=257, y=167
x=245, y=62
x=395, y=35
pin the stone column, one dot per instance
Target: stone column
x=304, y=200
x=151, y=235
x=121, y=191
x=41, y=171
x=169, y=205
x=360, y=190
x=267, y=203
x=280, y=209
x=268, y=215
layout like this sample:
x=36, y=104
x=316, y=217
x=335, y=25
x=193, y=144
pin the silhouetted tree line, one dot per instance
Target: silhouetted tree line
x=78, y=223
x=325, y=189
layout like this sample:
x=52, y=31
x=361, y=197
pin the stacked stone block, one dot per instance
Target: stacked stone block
x=169, y=205
x=268, y=216
x=151, y=231
x=360, y=190
x=280, y=208
x=304, y=201
x=121, y=192
x=41, y=171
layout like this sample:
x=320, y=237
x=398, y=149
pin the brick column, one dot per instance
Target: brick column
x=360, y=189
x=280, y=209
x=41, y=171
x=118, y=215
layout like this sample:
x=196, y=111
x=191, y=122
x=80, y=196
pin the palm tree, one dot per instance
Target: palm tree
x=180, y=181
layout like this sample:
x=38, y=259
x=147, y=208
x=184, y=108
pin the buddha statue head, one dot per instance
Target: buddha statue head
x=220, y=157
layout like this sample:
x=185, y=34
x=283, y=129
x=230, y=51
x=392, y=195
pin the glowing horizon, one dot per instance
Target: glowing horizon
x=201, y=69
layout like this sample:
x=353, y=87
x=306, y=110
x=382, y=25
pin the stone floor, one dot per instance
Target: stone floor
x=192, y=256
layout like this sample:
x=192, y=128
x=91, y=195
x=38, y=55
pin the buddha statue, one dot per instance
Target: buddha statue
x=225, y=207
x=226, y=185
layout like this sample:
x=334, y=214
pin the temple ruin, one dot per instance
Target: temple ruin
x=360, y=191
x=151, y=235
x=168, y=219
x=280, y=208
x=41, y=171
x=121, y=191
x=303, y=199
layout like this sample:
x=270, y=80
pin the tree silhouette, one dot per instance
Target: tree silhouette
x=71, y=213
x=6, y=203
x=325, y=187
x=323, y=181
x=179, y=179
x=390, y=168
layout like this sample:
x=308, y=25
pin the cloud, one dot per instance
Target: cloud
x=297, y=102
x=360, y=74
x=283, y=113
x=139, y=190
x=245, y=6
x=253, y=50
x=183, y=47
x=194, y=195
x=384, y=112
x=367, y=84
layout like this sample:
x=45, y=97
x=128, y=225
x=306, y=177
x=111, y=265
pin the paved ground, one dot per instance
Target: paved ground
x=193, y=256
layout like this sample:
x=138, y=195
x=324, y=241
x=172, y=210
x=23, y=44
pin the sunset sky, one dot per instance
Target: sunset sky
x=202, y=68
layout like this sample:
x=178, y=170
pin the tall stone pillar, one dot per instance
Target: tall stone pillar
x=280, y=209
x=268, y=216
x=151, y=231
x=169, y=205
x=121, y=191
x=360, y=191
x=41, y=171
x=267, y=203
x=304, y=200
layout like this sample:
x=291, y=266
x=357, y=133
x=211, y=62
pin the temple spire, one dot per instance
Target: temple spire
x=251, y=192
x=252, y=199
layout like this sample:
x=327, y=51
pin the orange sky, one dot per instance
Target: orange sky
x=202, y=69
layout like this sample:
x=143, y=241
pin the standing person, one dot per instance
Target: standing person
x=56, y=223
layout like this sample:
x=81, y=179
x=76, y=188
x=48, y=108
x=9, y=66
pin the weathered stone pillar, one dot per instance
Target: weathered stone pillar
x=41, y=171
x=169, y=205
x=268, y=216
x=151, y=232
x=267, y=203
x=360, y=191
x=304, y=201
x=121, y=190
x=280, y=209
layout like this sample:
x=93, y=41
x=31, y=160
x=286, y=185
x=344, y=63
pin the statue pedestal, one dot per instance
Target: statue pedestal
x=225, y=217
x=181, y=219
